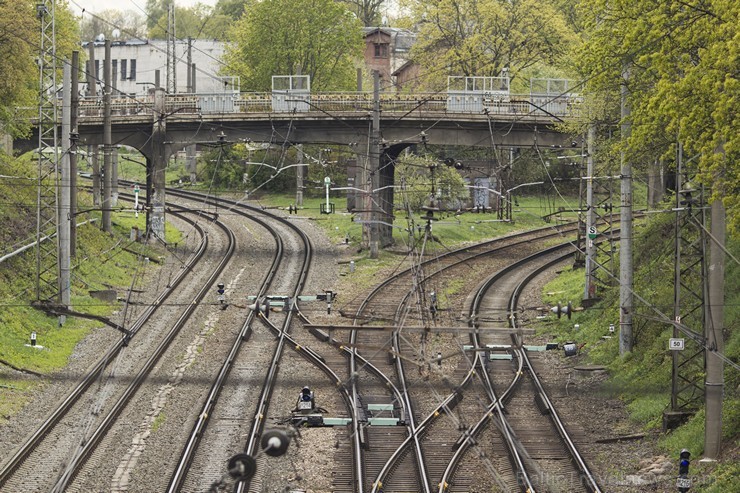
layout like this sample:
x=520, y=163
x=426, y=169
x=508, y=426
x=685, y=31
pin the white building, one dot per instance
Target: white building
x=136, y=64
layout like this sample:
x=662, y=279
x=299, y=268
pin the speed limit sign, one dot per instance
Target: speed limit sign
x=675, y=344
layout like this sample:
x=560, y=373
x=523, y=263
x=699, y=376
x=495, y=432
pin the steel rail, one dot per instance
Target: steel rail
x=496, y=408
x=82, y=455
x=196, y=434
x=589, y=479
x=30, y=444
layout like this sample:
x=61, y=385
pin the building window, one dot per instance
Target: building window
x=97, y=69
x=123, y=69
x=381, y=50
x=114, y=70
x=132, y=71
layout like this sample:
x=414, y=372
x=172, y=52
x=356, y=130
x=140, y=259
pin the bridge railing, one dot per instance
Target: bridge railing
x=341, y=102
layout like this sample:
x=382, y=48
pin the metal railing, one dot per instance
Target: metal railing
x=340, y=102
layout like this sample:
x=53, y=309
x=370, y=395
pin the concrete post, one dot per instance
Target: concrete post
x=625, y=242
x=299, y=176
x=715, y=379
x=75, y=110
x=114, y=177
x=107, y=140
x=92, y=77
x=64, y=196
x=374, y=165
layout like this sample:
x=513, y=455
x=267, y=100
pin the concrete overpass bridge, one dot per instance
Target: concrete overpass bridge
x=375, y=128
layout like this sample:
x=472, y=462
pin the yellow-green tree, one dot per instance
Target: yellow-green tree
x=198, y=22
x=683, y=81
x=319, y=38
x=484, y=37
x=20, y=35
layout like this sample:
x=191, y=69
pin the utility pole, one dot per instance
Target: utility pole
x=107, y=140
x=171, y=50
x=47, y=218
x=65, y=218
x=374, y=165
x=715, y=379
x=92, y=150
x=625, y=242
x=190, y=74
x=590, y=288
x=75, y=110
x=299, y=176
x=190, y=162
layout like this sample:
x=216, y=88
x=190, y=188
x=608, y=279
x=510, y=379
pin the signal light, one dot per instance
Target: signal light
x=683, y=483
x=684, y=461
x=220, y=291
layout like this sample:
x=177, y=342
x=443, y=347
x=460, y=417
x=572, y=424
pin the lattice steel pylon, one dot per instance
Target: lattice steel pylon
x=47, y=220
x=171, y=51
x=600, y=235
x=687, y=391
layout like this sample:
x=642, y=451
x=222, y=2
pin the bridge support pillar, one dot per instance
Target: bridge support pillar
x=158, y=164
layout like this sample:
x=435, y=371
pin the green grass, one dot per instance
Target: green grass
x=450, y=229
x=642, y=378
x=102, y=261
x=158, y=421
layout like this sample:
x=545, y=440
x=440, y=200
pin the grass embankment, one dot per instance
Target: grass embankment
x=102, y=261
x=643, y=377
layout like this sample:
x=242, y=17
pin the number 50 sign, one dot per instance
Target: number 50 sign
x=675, y=344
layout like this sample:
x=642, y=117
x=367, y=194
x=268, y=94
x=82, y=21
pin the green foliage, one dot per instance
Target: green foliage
x=483, y=37
x=725, y=478
x=683, y=82
x=102, y=261
x=233, y=8
x=198, y=22
x=368, y=11
x=318, y=38
x=129, y=22
x=643, y=377
x=418, y=176
x=20, y=31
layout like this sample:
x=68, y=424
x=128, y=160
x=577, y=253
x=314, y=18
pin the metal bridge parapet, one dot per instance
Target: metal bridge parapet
x=344, y=103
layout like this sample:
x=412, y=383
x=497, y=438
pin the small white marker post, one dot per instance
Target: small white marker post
x=33, y=338
x=327, y=183
x=136, y=199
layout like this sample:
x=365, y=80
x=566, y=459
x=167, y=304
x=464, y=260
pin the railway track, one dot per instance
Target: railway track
x=420, y=461
x=44, y=459
x=409, y=465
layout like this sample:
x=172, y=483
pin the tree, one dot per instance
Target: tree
x=233, y=8
x=155, y=9
x=684, y=82
x=368, y=11
x=484, y=37
x=197, y=22
x=420, y=175
x=318, y=38
x=19, y=48
x=128, y=23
